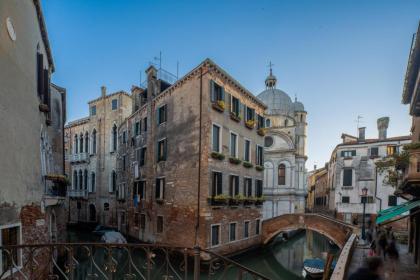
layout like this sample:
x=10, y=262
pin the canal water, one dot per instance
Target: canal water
x=282, y=259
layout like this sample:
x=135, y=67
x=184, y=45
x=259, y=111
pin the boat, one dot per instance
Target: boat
x=314, y=268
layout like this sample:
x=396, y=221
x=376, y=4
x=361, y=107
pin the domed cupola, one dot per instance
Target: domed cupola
x=271, y=80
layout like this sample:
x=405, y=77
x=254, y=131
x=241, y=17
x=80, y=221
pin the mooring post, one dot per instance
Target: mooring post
x=196, y=263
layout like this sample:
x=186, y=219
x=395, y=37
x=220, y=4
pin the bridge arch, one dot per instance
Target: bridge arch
x=337, y=231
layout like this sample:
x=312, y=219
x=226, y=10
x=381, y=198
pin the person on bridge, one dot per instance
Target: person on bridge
x=371, y=271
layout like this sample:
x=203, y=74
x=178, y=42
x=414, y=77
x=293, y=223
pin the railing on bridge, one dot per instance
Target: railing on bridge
x=344, y=259
x=117, y=261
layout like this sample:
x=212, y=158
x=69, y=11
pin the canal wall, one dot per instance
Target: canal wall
x=344, y=259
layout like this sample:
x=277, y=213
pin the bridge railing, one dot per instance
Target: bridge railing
x=117, y=261
x=344, y=259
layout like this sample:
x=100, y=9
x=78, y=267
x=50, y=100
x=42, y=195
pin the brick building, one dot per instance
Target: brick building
x=318, y=191
x=91, y=147
x=190, y=163
x=33, y=187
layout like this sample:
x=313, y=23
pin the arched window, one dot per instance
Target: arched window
x=76, y=144
x=94, y=141
x=113, y=181
x=85, y=177
x=87, y=142
x=75, y=180
x=92, y=182
x=286, y=122
x=114, y=138
x=282, y=175
x=267, y=123
x=81, y=142
x=80, y=181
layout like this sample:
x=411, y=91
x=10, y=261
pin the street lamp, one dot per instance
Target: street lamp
x=364, y=198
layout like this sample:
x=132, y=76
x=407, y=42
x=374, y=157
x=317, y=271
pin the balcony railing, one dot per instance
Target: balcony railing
x=118, y=261
x=80, y=157
x=77, y=193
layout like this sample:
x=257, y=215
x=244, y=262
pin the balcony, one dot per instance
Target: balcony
x=77, y=193
x=411, y=178
x=79, y=158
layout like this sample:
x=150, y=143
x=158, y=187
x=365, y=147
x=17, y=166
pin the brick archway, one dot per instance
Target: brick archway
x=337, y=231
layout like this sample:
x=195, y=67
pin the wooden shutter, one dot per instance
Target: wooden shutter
x=212, y=93
x=228, y=101
x=40, y=74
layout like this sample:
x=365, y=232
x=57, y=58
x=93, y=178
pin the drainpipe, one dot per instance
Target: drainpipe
x=376, y=188
x=197, y=223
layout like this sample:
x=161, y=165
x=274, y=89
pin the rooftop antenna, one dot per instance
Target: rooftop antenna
x=140, y=77
x=270, y=65
x=159, y=59
x=177, y=69
x=358, y=121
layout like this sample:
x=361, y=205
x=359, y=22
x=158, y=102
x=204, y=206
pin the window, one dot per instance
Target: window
x=145, y=124
x=160, y=188
x=124, y=137
x=159, y=227
x=142, y=159
x=282, y=175
x=247, y=150
x=268, y=141
x=106, y=206
x=161, y=114
x=216, y=184
x=351, y=153
x=267, y=123
x=260, y=122
x=286, y=122
x=121, y=192
x=367, y=199
x=87, y=142
x=258, y=188
x=233, y=185
x=246, y=229
x=76, y=144
x=347, y=177
x=418, y=166
x=217, y=92
x=142, y=221
x=247, y=187
x=10, y=235
x=137, y=128
x=345, y=199
x=374, y=152
x=81, y=143
x=94, y=141
x=260, y=154
x=75, y=180
x=250, y=114
x=114, y=138
x=161, y=153
x=234, y=107
x=392, y=200
x=215, y=235
x=233, y=145
x=391, y=150
x=85, y=177
x=140, y=189
x=232, y=232
x=92, y=182
x=136, y=219
x=93, y=110
x=114, y=104
x=113, y=181
x=257, y=226
x=80, y=180
x=216, y=138
x=124, y=162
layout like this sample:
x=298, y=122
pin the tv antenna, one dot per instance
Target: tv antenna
x=159, y=59
x=358, y=121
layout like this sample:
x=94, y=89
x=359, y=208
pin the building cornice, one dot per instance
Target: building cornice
x=44, y=33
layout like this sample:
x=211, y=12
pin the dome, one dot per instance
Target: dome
x=298, y=106
x=277, y=101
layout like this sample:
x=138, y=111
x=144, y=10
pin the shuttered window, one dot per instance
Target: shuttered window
x=161, y=114
x=217, y=92
x=347, y=177
x=233, y=185
x=162, y=150
x=247, y=187
x=160, y=188
x=217, y=184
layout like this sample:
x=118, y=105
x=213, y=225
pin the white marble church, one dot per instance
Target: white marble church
x=285, y=152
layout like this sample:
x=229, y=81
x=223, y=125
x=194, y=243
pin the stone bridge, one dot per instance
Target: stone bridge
x=337, y=231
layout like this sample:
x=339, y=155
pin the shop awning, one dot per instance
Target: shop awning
x=392, y=212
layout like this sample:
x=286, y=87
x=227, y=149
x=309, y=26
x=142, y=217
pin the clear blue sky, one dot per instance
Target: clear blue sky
x=341, y=58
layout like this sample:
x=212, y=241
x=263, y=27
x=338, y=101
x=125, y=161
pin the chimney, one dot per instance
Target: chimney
x=314, y=166
x=103, y=91
x=382, y=127
x=362, y=137
x=152, y=89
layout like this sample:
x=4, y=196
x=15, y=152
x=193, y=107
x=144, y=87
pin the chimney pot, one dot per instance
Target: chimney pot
x=362, y=132
x=103, y=91
x=382, y=127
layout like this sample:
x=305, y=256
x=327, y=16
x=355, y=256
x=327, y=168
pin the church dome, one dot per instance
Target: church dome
x=298, y=106
x=277, y=101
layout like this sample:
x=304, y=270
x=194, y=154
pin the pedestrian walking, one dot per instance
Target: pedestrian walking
x=372, y=270
x=382, y=243
x=393, y=255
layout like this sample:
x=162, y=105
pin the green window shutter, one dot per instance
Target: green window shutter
x=165, y=151
x=223, y=94
x=165, y=111
x=228, y=101
x=212, y=93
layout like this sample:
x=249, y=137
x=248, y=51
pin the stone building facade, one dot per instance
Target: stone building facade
x=285, y=178
x=318, y=199
x=32, y=189
x=352, y=168
x=91, y=149
x=190, y=166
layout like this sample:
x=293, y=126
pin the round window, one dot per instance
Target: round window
x=268, y=141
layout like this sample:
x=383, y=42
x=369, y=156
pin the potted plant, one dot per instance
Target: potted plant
x=248, y=200
x=261, y=131
x=247, y=164
x=219, y=105
x=234, y=160
x=236, y=200
x=220, y=199
x=259, y=168
x=235, y=117
x=259, y=200
x=250, y=124
x=217, y=155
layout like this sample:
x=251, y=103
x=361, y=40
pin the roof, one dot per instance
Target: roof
x=109, y=95
x=44, y=34
x=412, y=68
x=376, y=140
x=77, y=122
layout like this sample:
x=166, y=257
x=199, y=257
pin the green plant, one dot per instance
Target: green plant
x=247, y=164
x=393, y=167
x=221, y=197
x=217, y=155
x=235, y=116
x=221, y=104
x=412, y=146
x=261, y=131
x=259, y=168
x=250, y=123
x=234, y=160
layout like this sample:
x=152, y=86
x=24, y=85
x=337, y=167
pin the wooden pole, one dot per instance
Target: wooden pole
x=327, y=267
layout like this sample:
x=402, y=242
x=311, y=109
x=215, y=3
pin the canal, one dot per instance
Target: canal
x=282, y=259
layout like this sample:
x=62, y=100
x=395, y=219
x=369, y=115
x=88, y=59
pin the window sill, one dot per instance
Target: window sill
x=217, y=106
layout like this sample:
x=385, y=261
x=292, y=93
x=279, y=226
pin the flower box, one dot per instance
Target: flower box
x=219, y=200
x=234, y=160
x=247, y=164
x=261, y=131
x=249, y=201
x=217, y=155
x=235, y=202
x=219, y=105
x=44, y=108
x=259, y=200
x=250, y=124
x=259, y=168
x=159, y=200
x=235, y=117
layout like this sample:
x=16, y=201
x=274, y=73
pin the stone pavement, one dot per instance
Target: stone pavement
x=406, y=269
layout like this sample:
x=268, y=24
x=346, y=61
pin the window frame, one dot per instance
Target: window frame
x=93, y=110
x=214, y=188
x=164, y=155
x=259, y=155
x=116, y=104
x=232, y=187
x=344, y=183
x=219, y=239
x=235, y=232
x=220, y=144
x=257, y=226
x=235, y=155
x=246, y=229
x=159, y=227
x=283, y=176
x=236, y=112
x=247, y=150
x=345, y=196
x=247, y=191
x=161, y=188
x=164, y=109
